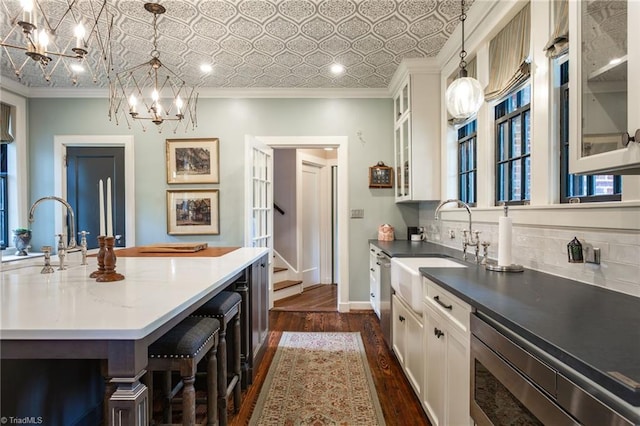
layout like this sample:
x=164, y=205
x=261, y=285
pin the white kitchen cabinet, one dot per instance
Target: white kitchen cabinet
x=417, y=131
x=374, y=278
x=446, y=357
x=604, y=63
x=408, y=346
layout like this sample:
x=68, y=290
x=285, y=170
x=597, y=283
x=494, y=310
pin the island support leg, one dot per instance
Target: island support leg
x=129, y=403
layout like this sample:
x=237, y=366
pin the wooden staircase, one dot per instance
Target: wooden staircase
x=283, y=287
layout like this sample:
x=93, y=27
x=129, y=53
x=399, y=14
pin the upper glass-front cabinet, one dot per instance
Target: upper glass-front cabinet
x=604, y=65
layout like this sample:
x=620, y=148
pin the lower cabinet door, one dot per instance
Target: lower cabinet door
x=458, y=379
x=414, y=362
x=399, y=326
x=435, y=362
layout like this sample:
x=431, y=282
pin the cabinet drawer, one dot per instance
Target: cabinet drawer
x=446, y=303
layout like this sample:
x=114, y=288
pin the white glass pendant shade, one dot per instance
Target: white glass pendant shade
x=464, y=97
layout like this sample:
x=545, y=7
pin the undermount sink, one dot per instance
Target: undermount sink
x=406, y=279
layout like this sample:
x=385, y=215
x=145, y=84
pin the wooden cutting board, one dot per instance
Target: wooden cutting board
x=173, y=248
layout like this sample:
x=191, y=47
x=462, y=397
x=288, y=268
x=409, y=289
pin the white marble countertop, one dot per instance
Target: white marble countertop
x=70, y=305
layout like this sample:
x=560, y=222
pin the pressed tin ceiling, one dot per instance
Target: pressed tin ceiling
x=268, y=44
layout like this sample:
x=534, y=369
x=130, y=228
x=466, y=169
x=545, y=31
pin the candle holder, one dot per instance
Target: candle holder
x=100, y=271
x=109, y=273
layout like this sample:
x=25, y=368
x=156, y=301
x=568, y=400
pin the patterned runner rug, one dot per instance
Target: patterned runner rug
x=318, y=379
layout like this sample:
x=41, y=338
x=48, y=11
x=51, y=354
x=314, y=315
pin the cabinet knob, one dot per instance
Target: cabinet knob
x=626, y=138
x=438, y=333
x=401, y=318
x=372, y=295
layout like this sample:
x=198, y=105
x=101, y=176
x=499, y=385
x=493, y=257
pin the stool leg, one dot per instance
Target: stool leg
x=166, y=395
x=212, y=385
x=148, y=382
x=189, y=399
x=222, y=375
x=237, y=367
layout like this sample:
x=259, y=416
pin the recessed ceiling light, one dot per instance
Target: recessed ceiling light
x=206, y=68
x=77, y=67
x=337, y=69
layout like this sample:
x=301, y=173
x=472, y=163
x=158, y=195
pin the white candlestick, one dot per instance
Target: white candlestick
x=109, y=211
x=101, y=197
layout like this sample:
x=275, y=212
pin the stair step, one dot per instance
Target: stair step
x=285, y=284
x=279, y=269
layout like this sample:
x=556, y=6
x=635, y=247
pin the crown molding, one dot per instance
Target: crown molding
x=203, y=92
x=412, y=66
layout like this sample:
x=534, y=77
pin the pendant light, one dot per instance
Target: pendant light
x=464, y=96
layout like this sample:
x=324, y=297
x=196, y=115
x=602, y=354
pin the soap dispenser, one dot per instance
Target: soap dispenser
x=574, y=251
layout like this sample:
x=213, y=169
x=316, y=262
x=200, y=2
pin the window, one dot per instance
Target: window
x=585, y=189
x=513, y=148
x=4, y=208
x=467, y=172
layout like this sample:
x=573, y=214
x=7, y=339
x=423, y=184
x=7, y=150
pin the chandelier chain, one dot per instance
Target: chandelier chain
x=463, y=53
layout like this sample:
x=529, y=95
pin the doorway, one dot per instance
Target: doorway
x=62, y=143
x=342, y=251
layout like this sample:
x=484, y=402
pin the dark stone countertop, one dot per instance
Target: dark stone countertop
x=591, y=329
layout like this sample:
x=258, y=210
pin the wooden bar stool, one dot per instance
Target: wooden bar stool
x=180, y=349
x=226, y=308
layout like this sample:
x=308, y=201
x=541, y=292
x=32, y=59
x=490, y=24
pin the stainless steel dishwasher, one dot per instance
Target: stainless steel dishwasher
x=385, y=296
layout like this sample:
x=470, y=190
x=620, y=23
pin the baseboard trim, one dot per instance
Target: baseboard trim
x=359, y=306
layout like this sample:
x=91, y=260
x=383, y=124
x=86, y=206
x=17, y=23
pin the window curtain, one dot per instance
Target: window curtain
x=471, y=72
x=559, y=41
x=509, y=56
x=6, y=123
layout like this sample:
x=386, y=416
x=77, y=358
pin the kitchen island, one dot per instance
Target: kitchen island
x=67, y=315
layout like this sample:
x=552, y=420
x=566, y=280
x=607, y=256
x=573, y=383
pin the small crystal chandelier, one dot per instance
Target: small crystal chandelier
x=41, y=33
x=152, y=91
x=464, y=96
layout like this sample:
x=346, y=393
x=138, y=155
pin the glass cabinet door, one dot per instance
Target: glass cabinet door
x=602, y=56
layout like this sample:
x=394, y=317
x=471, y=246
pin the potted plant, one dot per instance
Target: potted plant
x=21, y=240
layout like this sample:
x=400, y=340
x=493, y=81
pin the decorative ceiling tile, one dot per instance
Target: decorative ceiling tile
x=337, y=10
x=257, y=9
x=415, y=9
x=426, y=27
x=354, y=28
x=317, y=28
x=334, y=45
x=302, y=45
x=243, y=27
x=255, y=43
x=298, y=10
x=376, y=9
x=281, y=28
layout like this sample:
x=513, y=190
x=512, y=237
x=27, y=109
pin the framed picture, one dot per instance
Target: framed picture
x=192, y=212
x=192, y=160
x=380, y=176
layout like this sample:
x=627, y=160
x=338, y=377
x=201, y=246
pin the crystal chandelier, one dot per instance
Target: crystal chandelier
x=56, y=35
x=464, y=96
x=152, y=91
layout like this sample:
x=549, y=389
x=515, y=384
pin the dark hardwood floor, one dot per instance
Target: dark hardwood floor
x=399, y=404
x=316, y=298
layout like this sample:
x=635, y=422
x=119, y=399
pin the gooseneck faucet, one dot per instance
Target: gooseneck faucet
x=72, y=220
x=468, y=236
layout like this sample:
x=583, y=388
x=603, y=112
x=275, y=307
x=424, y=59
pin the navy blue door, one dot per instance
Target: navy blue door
x=85, y=167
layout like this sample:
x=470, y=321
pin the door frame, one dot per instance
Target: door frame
x=60, y=144
x=341, y=144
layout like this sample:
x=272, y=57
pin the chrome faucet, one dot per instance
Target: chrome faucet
x=72, y=220
x=470, y=238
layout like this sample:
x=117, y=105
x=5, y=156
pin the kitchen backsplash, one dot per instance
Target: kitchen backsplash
x=545, y=249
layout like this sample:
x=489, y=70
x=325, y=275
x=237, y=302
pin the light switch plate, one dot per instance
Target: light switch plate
x=357, y=213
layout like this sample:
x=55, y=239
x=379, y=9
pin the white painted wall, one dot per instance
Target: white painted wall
x=284, y=195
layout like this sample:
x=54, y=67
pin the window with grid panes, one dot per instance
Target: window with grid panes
x=513, y=148
x=4, y=207
x=467, y=172
x=586, y=189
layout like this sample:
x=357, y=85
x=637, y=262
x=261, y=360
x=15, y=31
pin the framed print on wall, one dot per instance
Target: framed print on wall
x=194, y=211
x=193, y=160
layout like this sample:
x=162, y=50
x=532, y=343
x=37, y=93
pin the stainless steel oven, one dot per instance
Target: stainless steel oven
x=511, y=386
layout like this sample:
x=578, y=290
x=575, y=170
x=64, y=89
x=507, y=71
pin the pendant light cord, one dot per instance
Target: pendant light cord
x=463, y=53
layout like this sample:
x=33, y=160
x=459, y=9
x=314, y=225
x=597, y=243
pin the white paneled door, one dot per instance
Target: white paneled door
x=310, y=220
x=259, y=197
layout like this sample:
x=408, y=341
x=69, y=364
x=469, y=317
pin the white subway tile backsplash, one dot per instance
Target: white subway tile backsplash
x=545, y=249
